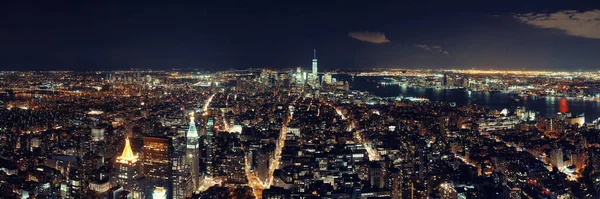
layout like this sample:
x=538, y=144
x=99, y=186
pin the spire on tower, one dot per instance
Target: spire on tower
x=127, y=156
x=314, y=53
x=192, y=132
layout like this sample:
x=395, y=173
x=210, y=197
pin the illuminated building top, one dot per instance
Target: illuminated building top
x=314, y=63
x=192, y=132
x=159, y=193
x=127, y=157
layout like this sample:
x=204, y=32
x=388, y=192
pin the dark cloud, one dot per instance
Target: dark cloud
x=372, y=37
x=438, y=49
x=574, y=23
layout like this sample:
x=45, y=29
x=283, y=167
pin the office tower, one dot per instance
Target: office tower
x=305, y=77
x=299, y=76
x=156, y=162
x=183, y=186
x=557, y=159
x=445, y=82
x=327, y=79
x=314, y=77
x=192, y=152
x=127, y=171
x=264, y=78
x=208, y=142
x=395, y=183
x=233, y=168
x=314, y=63
x=377, y=175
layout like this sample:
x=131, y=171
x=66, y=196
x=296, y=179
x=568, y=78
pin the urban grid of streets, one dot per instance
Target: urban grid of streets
x=258, y=185
x=335, y=134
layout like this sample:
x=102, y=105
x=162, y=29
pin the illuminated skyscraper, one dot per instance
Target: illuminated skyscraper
x=314, y=63
x=127, y=171
x=208, y=142
x=192, y=152
x=557, y=158
x=183, y=186
x=314, y=77
x=299, y=76
x=156, y=162
x=127, y=157
x=327, y=79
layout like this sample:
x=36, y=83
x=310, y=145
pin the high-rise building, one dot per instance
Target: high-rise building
x=210, y=148
x=156, y=162
x=327, y=79
x=183, y=186
x=377, y=175
x=299, y=76
x=233, y=168
x=314, y=77
x=395, y=183
x=192, y=152
x=445, y=81
x=314, y=63
x=127, y=171
x=557, y=158
x=305, y=77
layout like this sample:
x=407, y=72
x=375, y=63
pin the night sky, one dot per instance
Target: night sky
x=218, y=35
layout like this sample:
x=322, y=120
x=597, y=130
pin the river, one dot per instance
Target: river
x=545, y=106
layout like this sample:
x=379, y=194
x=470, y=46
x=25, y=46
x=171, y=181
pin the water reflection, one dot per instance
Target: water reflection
x=563, y=106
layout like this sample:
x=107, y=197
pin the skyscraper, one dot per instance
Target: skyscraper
x=445, y=81
x=314, y=63
x=208, y=142
x=557, y=158
x=157, y=152
x=192, y=152
x=327, y=79
x=313, y=74
x=183, y=186
x=299, y=76
x=127, y=171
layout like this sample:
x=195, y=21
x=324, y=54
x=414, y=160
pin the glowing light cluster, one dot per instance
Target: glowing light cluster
x=127, y=157
x=206, y=104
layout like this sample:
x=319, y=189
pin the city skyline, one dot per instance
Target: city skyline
x=282, y=134
x=425, y=99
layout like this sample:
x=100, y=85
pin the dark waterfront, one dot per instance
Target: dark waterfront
x=4, y=96
x=545, y=106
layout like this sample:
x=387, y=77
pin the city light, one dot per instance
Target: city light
x=265, y=134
